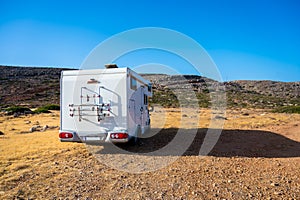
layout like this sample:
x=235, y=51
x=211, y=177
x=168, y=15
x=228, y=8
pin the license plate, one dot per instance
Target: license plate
x=100, y=138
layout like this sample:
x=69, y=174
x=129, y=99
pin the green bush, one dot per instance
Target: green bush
x=288, y=109
x=203, y=100
x=46, y=108
x=41, y=110
x=165, y=98
x=52, y=107
x=17, y=109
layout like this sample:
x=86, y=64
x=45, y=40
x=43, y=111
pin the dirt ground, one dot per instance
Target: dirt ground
x=256, y=157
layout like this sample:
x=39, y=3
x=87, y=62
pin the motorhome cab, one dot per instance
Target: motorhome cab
x=104, y=105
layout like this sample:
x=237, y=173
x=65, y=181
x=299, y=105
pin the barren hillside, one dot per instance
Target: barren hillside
x=256, y=157
x=34, y=87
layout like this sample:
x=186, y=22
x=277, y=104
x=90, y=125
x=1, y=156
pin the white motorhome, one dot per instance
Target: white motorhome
x=104, y=105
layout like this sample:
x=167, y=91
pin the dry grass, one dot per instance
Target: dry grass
x=38, y=160
x=22, y=152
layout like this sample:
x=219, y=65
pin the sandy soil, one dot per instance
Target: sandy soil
x=256, y=157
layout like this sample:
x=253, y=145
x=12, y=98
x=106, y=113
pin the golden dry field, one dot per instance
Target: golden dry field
x=256, y=157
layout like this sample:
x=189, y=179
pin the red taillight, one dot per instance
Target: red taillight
x=65, y=135
x=118, y=135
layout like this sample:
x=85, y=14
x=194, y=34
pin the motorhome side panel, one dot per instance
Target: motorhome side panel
x=138, y=114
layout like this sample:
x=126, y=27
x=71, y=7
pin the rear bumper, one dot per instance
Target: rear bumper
x=119, y=140
x=91, y=138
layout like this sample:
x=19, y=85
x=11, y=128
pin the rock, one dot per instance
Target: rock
x=34, y=128
x=24, y=132
x=27, y=122
x=220, y=117
x=275, y=184
x=1, y=133
x=278, y=164
x=26, y=112
x=278, y=193
x=250, y=195
x=45, y=128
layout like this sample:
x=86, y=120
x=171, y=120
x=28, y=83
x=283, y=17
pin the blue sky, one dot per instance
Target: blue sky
x=249, y=39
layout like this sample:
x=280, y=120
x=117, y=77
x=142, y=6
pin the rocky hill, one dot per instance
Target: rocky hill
x=256, y=94
x=34, y=86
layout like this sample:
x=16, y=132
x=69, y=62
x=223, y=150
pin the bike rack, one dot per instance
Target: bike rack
x=95, y=108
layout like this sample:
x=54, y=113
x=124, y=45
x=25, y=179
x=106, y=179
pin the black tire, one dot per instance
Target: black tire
x=135, y=140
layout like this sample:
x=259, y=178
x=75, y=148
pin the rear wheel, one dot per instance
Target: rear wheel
x=135, y=140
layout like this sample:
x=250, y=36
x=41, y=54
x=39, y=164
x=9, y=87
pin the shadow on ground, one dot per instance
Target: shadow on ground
x=232, y=143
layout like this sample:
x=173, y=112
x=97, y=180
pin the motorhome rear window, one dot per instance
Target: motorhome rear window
x=133, y=84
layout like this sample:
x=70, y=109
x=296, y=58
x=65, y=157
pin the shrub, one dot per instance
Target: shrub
x=52, y=107
x=17, y=109
x=46, y=108
x=41, y=110
x=288, y=109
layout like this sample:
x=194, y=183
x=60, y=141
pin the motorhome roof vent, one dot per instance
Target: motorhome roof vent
x=111, y=66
